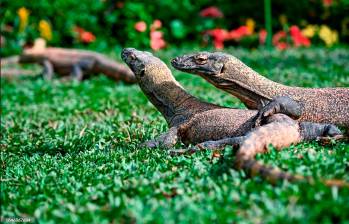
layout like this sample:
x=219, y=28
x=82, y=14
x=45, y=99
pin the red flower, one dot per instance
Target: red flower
x=140, y=26
x=279, y=40
x=84, y=36
x=281, y=46
x=262, y=36
x=298, y=38
x=327, y=2
x=279, y=36
x=156, y=40
x=156, y=25
x=239, y=33
x=87, y=37
x=120, y=4
x=212, y=12
x=219, y=36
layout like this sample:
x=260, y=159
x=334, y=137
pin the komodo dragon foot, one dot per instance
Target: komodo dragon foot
x=280, y=104
x=209, y=145
x=166, y=140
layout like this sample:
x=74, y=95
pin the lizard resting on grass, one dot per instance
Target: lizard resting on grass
x=193, y=121
x=323, y=105
x=74, y=62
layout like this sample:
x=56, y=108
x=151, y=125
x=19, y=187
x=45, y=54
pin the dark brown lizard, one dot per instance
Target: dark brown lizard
x=193, y=121
x=323, y=105
x=74, y=62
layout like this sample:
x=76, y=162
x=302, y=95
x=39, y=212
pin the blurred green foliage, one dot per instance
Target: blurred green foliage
x=112, y=21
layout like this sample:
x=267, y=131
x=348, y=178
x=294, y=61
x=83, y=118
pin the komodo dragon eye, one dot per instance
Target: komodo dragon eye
x=201, y=59
x=142, y=73
x=132, y=56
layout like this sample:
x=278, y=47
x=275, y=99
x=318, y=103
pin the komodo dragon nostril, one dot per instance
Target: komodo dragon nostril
x=175, y=60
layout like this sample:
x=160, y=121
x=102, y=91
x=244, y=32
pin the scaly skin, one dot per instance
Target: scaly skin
x=193, y=121
x=78, y=63
x=288, y=132
x=323, y=105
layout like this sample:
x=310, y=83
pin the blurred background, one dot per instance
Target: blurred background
x=105, y=24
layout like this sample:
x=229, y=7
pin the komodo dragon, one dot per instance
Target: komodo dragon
x=74, y=62
x=323, y=105
x=193, y=121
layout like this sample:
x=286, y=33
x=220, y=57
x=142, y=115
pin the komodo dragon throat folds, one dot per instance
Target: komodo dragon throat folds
x=74, y=62
x=323, y=105
x=193, y=121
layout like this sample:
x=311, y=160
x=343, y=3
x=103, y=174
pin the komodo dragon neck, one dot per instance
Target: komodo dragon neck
x=250, y=87
x=325, y=105
x=174, y=103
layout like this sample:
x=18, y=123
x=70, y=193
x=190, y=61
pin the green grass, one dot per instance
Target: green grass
x=69, y=153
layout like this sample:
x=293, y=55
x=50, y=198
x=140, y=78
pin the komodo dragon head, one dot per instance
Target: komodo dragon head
x=222, y=70
x=150, y=71
x=35, y=53
x=205, y=64
x=225, y=72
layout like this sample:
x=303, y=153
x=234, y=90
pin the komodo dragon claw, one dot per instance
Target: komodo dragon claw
x=209, y=145
x=330, y=140
x=280, y=104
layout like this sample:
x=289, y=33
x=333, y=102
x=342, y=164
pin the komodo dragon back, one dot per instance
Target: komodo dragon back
x=324, y=105
x=64, y=61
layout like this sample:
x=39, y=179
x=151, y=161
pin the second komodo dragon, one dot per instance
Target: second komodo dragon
x=74, y=62
x=226, y=72
x=193, y=121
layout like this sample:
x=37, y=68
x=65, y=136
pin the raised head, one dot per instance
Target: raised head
x=32, y=56
x=35, y=53
x=155, y=80
x=227, y=72
x=205, y=64
x=148, y=69
x=218, y=68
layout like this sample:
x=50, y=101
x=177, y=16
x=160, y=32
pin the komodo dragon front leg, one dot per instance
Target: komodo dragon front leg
x=81, y=67
x=166, y=140
x=77, y=72
x=48, y=69
x=280, y=104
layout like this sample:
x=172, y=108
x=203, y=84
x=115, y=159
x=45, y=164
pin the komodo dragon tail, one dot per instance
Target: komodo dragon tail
x=280, y=135
x=10, y=60
x=9, y=67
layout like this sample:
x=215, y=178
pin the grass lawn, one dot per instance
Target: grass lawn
x=69, y=153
